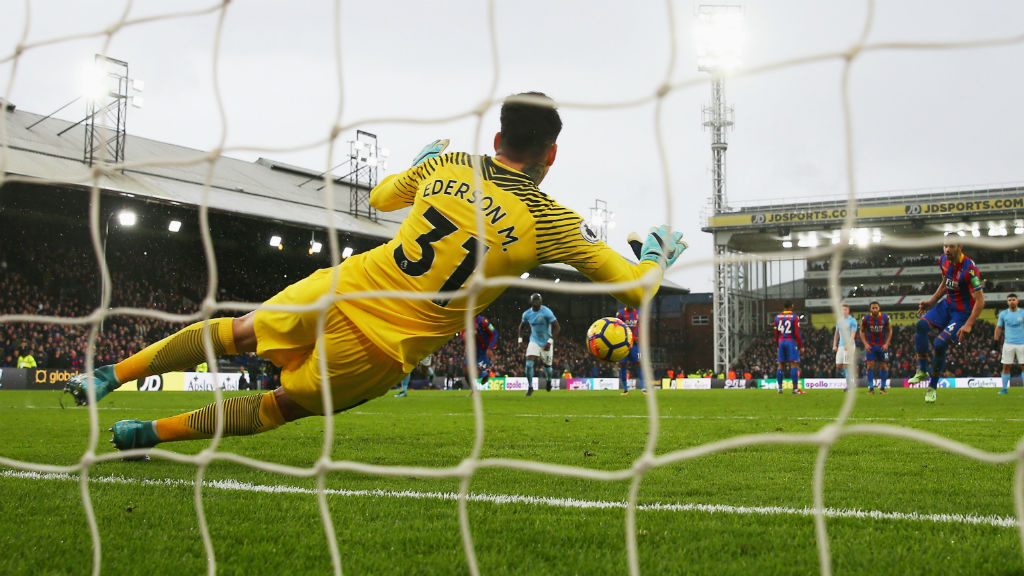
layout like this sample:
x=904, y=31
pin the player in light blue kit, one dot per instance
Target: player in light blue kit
x=1011, y=321
x=427, y=366
x=839, y=339
x=544, y=329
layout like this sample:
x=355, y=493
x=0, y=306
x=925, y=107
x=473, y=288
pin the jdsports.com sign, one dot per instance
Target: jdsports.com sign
x=801, y=216
x=964, y=206
x=819, y=215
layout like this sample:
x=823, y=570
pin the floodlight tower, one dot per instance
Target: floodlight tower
x=107, y=111
x=366, y=158
x=601, y=219
x=719, y=35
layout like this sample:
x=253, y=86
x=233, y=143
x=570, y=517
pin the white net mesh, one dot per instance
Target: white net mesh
x=475, y=56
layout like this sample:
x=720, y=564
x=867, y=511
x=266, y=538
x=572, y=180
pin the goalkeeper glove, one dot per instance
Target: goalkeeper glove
x=432, y=150
x=636, y=243
x=663, y=246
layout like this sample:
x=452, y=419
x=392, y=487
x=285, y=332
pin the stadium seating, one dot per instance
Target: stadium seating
x=976, y=357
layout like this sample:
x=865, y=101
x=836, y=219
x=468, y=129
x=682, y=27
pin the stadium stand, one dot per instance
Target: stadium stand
x=976, y=357
x=58, y=274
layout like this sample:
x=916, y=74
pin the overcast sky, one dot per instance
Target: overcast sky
x=923, y=119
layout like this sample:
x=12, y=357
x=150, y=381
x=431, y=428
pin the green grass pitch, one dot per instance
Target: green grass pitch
x=897, y=506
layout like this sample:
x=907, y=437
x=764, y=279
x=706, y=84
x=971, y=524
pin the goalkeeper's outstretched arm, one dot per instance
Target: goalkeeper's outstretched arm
x=399, y=190
x=659, y=251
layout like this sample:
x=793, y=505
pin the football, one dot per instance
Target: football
x=609, y=339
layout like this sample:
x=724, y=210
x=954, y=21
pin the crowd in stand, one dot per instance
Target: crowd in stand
x=59, y=277
x=71, y=291
x=922, y=288
x=977, y=356
x=148, y=277
x=877, y=259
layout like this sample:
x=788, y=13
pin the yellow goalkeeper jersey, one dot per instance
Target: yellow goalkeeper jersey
x=436, y=250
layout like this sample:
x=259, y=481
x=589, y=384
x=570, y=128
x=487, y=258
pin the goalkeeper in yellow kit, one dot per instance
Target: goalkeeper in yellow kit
x=371, y=343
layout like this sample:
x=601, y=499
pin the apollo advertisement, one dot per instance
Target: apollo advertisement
x=805, y=383
x=515, y=383
x=519, y=383
x=824, y=383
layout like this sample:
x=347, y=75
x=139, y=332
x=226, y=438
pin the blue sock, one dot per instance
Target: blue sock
x=921, y=344
x=871, y=379
x=1006, y=381
x=405, y=382
x=921, y=336
x=639, y=378
x=794, y=375
x=778, y=377
x=842, y=373
x=885, y=378
x=529, y=373
x=939, y=363
x=547, y=373
x=622, y=378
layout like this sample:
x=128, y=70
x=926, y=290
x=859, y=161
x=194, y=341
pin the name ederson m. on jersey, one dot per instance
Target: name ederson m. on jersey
x=435, y=249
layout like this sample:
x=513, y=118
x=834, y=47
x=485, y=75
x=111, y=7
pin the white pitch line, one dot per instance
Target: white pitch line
x=695, y=417
x=599, y=416
x=499, y=499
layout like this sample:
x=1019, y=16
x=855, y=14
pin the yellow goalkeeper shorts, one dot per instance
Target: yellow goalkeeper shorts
x=356, y=369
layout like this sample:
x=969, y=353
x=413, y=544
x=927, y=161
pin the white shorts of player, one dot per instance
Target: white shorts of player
x=1013, y=354
x=427, y=361
x=534, y=349
x=841, y=355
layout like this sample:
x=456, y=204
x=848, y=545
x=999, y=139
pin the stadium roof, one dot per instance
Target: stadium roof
x=760, y=228
x=50, y=150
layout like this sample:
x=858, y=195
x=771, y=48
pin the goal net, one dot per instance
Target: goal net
x=294, y=84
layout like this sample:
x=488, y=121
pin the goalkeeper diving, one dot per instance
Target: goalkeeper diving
x=371, y=343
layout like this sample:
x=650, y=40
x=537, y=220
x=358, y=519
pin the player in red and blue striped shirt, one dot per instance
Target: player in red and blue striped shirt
x=953, y=308
x=631, y=362
x=787, y=336
x=876, y=334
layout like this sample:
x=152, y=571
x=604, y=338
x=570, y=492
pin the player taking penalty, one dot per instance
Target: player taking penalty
x=369, y=344
x=953, y=308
